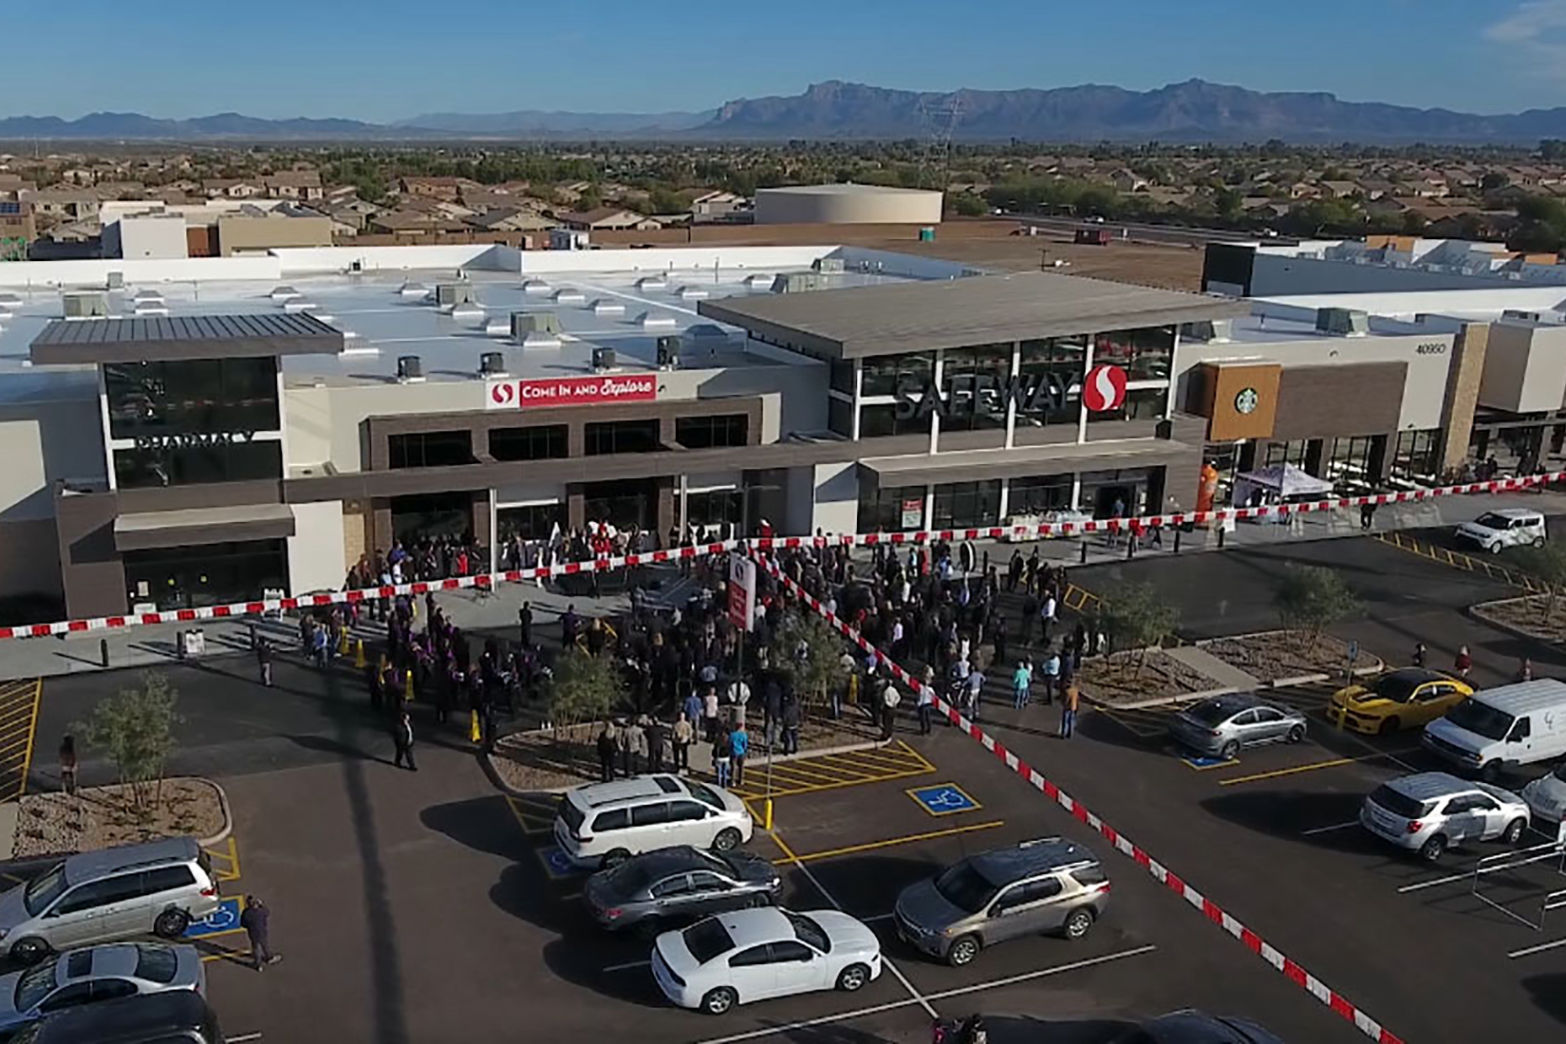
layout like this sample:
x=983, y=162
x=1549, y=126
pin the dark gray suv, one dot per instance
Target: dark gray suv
x=1046, y=885
x=651, y=891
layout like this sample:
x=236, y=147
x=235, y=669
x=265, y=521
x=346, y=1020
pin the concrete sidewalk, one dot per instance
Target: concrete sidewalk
x=478, y=610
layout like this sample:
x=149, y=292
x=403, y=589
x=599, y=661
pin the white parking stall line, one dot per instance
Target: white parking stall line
x=1540, y=948
x=243, y=1038
x=857, y=1013
x=628, y=965
x=1329, y=829
x=1434, y=882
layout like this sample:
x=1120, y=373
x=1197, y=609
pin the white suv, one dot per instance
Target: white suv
x=601, y=824
x=1503, y=528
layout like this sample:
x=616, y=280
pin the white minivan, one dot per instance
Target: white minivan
x=1495, y=729
x=602, y=824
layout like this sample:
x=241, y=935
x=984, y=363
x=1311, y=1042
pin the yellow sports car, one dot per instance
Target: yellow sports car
x=1401, y=699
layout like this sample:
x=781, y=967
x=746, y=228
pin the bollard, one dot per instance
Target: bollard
x=252, y=627
x=1220, y=534
x=407, y=687
x=1177, y=540
x=358, y=655
x=1084, y=550
x=1131, y=547
x=768, y=824
x=103, y=651
x=342, y=643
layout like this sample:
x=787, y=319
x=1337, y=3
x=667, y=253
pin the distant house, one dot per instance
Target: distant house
x=435, y=188
x=64, y=204
x=1126, y=180
x=1341, y=189
x=510, y=219
x=1305, y=190
x=608, y=219
x=304, y=185
x=717, y=206
x=411, y=222
x=232, y=188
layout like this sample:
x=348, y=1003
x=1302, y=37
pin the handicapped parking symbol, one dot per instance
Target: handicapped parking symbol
x=943, y=799
x=556, y=863
x=224, y=919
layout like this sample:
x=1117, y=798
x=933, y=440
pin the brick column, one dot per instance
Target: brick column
x=1462, y=393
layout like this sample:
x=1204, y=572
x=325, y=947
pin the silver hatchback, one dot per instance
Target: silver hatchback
x=1220, y=725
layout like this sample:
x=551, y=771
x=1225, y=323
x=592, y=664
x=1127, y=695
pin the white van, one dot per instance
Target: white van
x=603, y=824
x=1501, y=728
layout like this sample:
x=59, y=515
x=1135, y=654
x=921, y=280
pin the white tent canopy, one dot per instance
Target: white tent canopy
x=1278, y=482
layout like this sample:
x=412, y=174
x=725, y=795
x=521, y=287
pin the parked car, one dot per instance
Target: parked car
x=1502, y=728
x=95, y=974
x=171, y=1017
x=1494, y=531
x=1198, y=1027
x=1045, y=885
x=1396, y=700
x=751, y=955
x=1429, y=812
x=648, y=891
x=156, y=888
x=602, y=824
x=1546, y=798
x=1220, y=725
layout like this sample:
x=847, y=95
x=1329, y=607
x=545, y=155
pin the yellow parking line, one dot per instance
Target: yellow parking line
x=1331, y=763
x=522, y=819
x=794, y=770
x=14, y=718
x=810, y=857
x=15, y=745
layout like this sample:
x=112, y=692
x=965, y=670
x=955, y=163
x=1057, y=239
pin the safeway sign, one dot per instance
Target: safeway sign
x=742, y=591
x=570, y=391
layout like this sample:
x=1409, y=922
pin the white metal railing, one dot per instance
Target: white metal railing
x=1504, y=861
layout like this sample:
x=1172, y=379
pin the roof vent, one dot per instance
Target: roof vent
x=646, y=283
x=449, y=295
x=669, y=352
x=1342, y=322
x=284, y=293
x=606, y=307
x=524, y=323
x=651, y=320
x=1212, y=331
x=535, y=286
x=690, y=293
x=413, y=290
x=115, y=281
x=567, y=296
x=492, y=364
x=409, y=370
x=86, y=304
x=603, y=359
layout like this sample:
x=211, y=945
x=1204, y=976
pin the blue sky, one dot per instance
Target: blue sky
x=394, y=58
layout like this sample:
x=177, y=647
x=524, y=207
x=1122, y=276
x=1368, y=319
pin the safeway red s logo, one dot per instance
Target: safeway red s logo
x=502, y=393
x=1104, y=388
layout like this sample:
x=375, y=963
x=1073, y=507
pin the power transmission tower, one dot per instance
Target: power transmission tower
x=940, y=123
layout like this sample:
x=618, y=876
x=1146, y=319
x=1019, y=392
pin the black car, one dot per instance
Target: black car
x=171, y=1017
x=650, y=891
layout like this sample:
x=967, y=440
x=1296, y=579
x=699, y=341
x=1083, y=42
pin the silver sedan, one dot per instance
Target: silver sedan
x=1221, y=725
x=97, y=973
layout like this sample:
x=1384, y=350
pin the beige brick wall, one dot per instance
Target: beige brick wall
x=1462, y=393
x=354, y=543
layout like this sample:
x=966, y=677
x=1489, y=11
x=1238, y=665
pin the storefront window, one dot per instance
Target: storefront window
x=891, y=509
x=840, y=417
x=842, y=376
x=175, y=465
x=715, y=507
x=190, y=396
x=1145, y=354
x=882, y=373
x=1037, y=494
x=875, y=421
x=964, y=505
x=530, y=521
x=1225, y=459
x=541, y=442
x=206, y=574
x=1417, y=456
x=1287, y=453
x=975, y=405
x=1139, y=404
x=1059, y=360
x=729, y=429
x=422, y=516
x=430, y=449
x=640, y=436
x=1352, y=460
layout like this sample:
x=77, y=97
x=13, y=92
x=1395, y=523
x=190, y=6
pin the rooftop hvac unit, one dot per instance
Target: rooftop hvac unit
x=467, y=313
x=524, y=323
x=759, y=281
x=409, y=369
x=413, y=290
x=1518, y=313
x=652, y=283
x=669, y=352
x=827, y=265
x=492, y=364
x=603, y=359
x=1212, y=331
x=116, y=281
x=86, y=304
x=797, y=282
x=449, y=295
x=650, y=320
x=690, y=293
x=569, y=297
x=535, y=286
x=603, y=307
x=284, y=293
x=1342, y=322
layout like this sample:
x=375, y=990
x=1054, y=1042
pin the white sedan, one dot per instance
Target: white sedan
x=749, y=955
x=1546, y=797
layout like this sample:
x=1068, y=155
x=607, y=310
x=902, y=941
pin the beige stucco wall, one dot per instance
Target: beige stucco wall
x=241, y=234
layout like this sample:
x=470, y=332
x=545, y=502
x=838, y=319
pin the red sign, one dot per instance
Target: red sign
x=1104, y=388
x=571, y=391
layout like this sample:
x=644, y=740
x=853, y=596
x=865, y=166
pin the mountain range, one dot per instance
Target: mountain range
x=1191, y=112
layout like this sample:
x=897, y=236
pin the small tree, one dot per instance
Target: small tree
x=1135, y=616
x=584, y=688
x=809, y=653
x=1309, y=599
x=136, y=730
x=1547, y=562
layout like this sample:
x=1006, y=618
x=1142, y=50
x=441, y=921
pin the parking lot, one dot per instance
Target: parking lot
x=427, y=906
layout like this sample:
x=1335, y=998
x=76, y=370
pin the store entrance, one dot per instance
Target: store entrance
x=206, y=574
x=622, y=504
x=1107, y=498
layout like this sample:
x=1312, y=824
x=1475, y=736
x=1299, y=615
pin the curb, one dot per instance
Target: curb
x=487, y=762
x=1512, y=629
x=10, y=814
x=228, y=813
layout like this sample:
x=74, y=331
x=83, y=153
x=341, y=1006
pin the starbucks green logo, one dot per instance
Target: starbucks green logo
x=1247, y=400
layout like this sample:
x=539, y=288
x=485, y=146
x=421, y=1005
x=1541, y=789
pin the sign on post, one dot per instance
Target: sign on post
x=742, y=591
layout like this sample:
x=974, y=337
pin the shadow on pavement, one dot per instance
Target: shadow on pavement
x=336, y=747
x=827, y=1033
x=1026, y=1029
x=1291, y=814
x=1549, y=993
x=484, y=824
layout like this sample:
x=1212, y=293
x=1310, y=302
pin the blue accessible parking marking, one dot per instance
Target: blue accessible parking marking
x=1203, y=762
x=221, y=921
x=556, y=864
x=943, y=799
